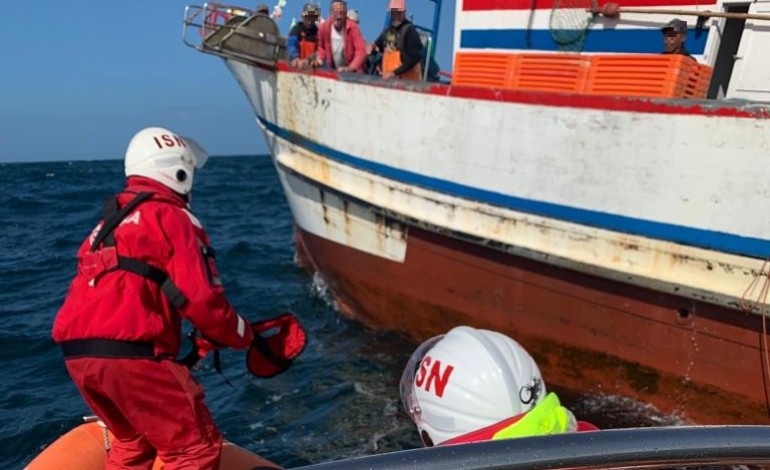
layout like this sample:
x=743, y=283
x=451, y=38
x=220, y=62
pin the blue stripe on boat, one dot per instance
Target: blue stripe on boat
x=724, y=242
x=597, y=40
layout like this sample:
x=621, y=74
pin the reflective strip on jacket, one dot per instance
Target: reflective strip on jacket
x=548, y=417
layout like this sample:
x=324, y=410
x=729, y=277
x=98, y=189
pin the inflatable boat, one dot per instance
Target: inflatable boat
x=747, y=447
x=85, y=448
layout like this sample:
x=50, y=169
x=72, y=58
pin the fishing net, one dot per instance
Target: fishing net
x=570, y=21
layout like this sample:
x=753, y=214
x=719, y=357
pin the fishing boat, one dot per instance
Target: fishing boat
x=571, y=187
x=698, y=447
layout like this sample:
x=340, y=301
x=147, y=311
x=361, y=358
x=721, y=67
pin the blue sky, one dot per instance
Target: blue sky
x=79, y=79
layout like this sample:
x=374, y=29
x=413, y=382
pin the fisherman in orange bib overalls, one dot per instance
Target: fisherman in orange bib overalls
x=400, y=45
x=303, y=37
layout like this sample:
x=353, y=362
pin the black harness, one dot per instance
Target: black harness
x=106, y=236
x=103, y=258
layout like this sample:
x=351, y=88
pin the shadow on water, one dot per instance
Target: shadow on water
x=340, y=399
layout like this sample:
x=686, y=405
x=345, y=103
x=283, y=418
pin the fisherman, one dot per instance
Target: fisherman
x=474, y=385
x=145, y=266
x=340, y=43
x=303, y=37
x=400, y=45
x=675, y=37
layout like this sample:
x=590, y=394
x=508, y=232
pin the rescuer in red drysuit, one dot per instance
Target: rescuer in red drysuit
x=146, y=266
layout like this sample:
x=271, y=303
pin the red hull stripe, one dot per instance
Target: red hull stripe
x=746, y=110
x=729, y=243
x=489, y=5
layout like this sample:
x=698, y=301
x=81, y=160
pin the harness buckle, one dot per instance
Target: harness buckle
x=96, y=263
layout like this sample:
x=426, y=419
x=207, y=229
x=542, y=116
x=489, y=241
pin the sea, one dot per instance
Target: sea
x=338, y=400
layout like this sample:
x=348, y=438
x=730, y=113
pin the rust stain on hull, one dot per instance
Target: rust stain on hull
x=591, y=335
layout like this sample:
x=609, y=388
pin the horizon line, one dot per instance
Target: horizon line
x=110, y=159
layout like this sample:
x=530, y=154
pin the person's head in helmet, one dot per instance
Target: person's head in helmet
x=473, y=384
x=310, y=14
x=161, y=155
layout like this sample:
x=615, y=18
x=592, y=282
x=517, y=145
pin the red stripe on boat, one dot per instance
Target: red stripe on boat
x=487, y=5
x=610, y=103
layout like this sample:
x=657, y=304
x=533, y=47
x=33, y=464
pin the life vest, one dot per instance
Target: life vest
x=307, y=41
x=307, y=45
x=103, y=256
x=548, y=417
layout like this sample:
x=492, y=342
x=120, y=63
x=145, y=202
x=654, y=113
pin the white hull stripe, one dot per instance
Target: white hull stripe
x=724, y=242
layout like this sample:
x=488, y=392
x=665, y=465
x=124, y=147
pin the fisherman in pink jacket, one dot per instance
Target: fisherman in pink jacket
x=340, y=43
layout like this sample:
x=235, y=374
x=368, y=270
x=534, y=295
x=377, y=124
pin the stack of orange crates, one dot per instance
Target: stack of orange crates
x=483, y=69
x=659, y=75
x=698, y=86
x=643, y=75
x=565, y=73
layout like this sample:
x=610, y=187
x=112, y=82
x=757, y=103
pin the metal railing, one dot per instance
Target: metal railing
x=232, y=32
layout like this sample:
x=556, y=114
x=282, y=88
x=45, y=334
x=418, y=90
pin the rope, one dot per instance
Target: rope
x=763, y=311
x=105, y=434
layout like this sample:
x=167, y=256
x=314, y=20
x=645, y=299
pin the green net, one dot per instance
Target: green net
x=570, y=21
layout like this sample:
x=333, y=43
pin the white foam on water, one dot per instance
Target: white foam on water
x=320, y=289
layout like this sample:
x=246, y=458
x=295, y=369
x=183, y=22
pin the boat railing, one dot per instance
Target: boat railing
x=680, y=448
x=233, y=32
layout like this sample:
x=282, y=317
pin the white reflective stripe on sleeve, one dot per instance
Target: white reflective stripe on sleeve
x=241, y=326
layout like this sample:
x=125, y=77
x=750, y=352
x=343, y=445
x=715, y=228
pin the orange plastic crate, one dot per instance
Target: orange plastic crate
x=551, y=72
x=658, y=75
x=492, y=70
x=646, y=75
x=700, y=80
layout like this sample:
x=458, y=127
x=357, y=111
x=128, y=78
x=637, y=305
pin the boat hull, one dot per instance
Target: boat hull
x=630, y=284
x=698, y=361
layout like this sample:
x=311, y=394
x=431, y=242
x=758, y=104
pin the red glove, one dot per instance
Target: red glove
x=203, y=346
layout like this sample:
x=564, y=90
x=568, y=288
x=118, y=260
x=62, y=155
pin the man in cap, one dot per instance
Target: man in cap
x=340, y=43
x=303, y=37
x=400, y=45
x=674, y=37
x=353, y=15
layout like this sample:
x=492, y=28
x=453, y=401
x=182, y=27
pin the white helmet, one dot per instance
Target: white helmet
x=163, y=156
x=466, y=380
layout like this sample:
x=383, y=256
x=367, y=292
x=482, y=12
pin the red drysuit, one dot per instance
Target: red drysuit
x=120, y=328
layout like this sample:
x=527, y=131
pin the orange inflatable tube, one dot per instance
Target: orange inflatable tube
x=83, y=448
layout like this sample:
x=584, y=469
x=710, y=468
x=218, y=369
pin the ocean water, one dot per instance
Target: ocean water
x=340, y=399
